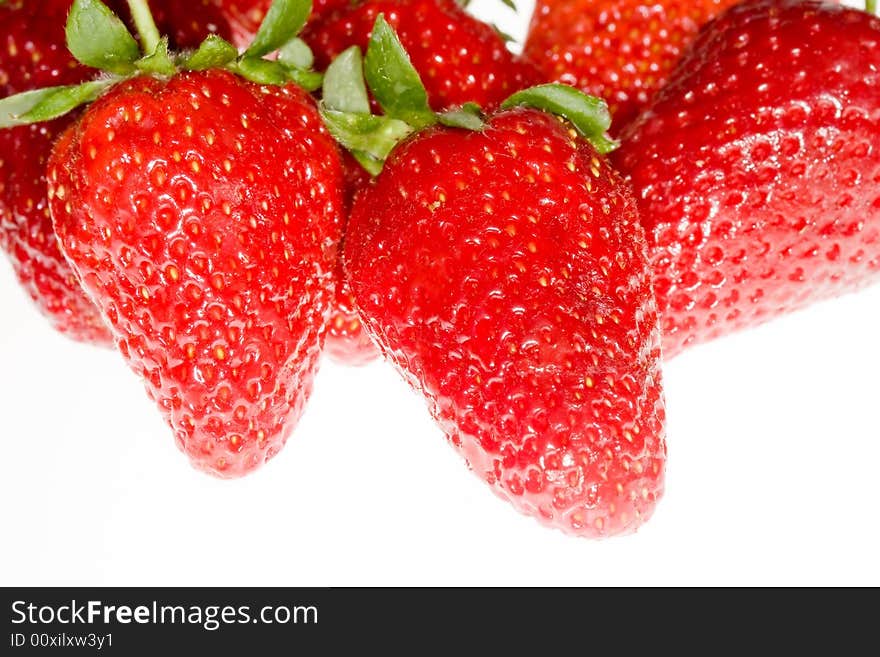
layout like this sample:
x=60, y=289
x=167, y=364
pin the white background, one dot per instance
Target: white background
x=774, y=448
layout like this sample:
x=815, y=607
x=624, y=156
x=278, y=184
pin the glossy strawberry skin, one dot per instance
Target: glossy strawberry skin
x=459, y=58
x=505, y=274
x=757, y=169
x=33, y=55
x=619, y=50
x=203, y=214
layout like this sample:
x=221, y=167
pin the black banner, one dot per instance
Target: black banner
x=416, y=621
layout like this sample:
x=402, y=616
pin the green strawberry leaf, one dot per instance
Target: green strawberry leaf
x=308, y=80
x=283, y=21
x=344, y=87
x=262, y=71
x=589, y=115
x=296, y=54
x=370, y=164
x=47, y=104
x=12, y=108
x=160, y=62
x=364, y=134
x=469, y=116
x=511, y=4
x=97, y=38
x=214, y=52
x=393, y=80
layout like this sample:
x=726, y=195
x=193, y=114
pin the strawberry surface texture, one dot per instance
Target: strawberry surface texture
x=620, y=50
x=757, y=168
x=202, y=213
x=504, y=273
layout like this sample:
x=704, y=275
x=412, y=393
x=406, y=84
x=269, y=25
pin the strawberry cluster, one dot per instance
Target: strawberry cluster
x=247, y=185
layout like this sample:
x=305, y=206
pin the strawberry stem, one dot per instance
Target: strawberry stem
x=146, y=26
x=871, y=6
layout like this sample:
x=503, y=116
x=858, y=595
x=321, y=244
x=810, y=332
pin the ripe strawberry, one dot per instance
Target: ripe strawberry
x=460, y=59
x=202, y=214
x=620, y=50
x=504, y=273
x=199, y=202
x=32, y=55
x=757, y=169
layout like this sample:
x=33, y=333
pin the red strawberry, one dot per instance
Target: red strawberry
x=32, y=55
x=620, y=50
x=503, y=271
x=757, y=169
x=202, y=214
x=201, y=210
x=459, y=58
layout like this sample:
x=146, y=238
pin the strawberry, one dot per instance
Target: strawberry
x=501, y=267
x=201, y=211
x=620, y=50
x=757, y=169
x=32, y=55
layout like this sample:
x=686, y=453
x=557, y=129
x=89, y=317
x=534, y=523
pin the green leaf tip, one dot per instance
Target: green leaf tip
x=159, y=62
x=98, y=38
x=213, y=52
x=365, y=134
x=296, y=54
x=589, y=115
x=469, y=117
x=49, y=103
x=344, y=88
x=393, y=80
x=283, y=22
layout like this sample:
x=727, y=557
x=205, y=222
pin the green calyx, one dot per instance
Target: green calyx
x=99, y=39
x=871, y=6
x=397, y=88
x=389, y=75
x=589, y=115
